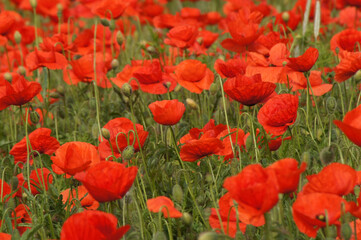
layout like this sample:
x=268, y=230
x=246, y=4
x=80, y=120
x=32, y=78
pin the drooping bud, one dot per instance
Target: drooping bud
x=177, y=193
x=105, y=133
x=128, y=153
x=8, y=77
x=17, y=37
x=104, y=22
x=126, y=90
x=192, y=104
x=34, y=117
x=22, y=70
x=115, y=63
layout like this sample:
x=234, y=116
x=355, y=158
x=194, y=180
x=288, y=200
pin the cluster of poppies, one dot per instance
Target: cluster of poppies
x=248, y=57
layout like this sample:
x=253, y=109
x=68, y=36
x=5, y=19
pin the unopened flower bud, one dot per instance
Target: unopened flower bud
x=111, y=25
x=285, y=17
x=54, y=95
x=199, y=40
x=327, y=155
x=17, y=37
x=22, y=70
x=192, y=104
x=177, y=193
x=8, y=77
x=187, y=218
x=60, y=8
x=104, y=22
x=128, y=153
x=357, y=76
x=159, y=236
x=14, y=182
x=115, y=63
x=284, y=63
x=126, y=90
x=208, y=236
x=120, y=38
x=209, y=178
x=34, y=117
x=33, y=3
x=346, y=231
x=306, y=157
x=331, y=105
x=177, y=88
x=213, y=89
x=105, y=133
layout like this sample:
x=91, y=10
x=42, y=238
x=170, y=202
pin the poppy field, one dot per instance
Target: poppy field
x=160, y=119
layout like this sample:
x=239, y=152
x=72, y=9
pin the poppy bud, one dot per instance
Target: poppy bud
x=34, y=117
x=284, y=63
x=213, y=88
x=151, y=50
x=192, y=104
x=208, y=236
x=167, y=84
x=285, y=16
x=94, y=130
x=21, y=70
x=126, y=89
x=177, y=193
x=8, y=77
x=159, y=236
x=17, y=37
x=54, y=95
x=14, y=182
x=306, y=157
x=24, y=196
x=33, y=3
x=209, y=178
x=327, y=155
x=331, y=105
x=249, y=142
x=128, y=153
x=126, y=100
x=357, y=76
x=104, y=22
x=120, y=38
x=187, y=218
x=115, y=63
x=177, y=88
x=60, y=9
x=346, y=231
x=319, y=134
x=199, y=40
x=105, y=133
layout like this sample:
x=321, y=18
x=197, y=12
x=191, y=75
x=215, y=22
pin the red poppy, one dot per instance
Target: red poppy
x=82, y=195
x=167, y=112
x=288, y=20
x=51, y=60
x=349, y=65
x=309, y=211
x=194, y=76
x=288, y=174
x=152, y=80
x=126, y=75
x=336, y=178
x=228, y=216
x=57, y=42
x=274, y=143
x=237, y=138
x=346, y=40
x=278, y=113
x=118, y=128
x=342, y=3
x=21, y=215
x=165, y=205
x=40, y=141
x=197, y=149
x=107, y=181
x=317, y=88
x=39, y=179
x=255, y=190
x=351, y=125
x=19, y=92
x=304, y=62
x=248, y=90
x=111, y=9
x=5, y=190
x=74, y=157
x=349, y=17
x=5, y=236
x=230, y=68
x=7, y=21
x=182, y=36
x=92, y=225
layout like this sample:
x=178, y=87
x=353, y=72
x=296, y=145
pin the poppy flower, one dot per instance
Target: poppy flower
x=19, y=92
x=255, y=189
x=5, y=236
x=228, y=216
x=167, y=112
x=317, y=88
x=21, y=215
x=51, y=60
x=118, y=128
x=237, y=138
x=230, y=68
x=126, y=75
x=165, y=205
x=7, y=21
x=5, y=190
x=336, y=178
x=346, y=40
x=278, y=113
x=107, y=181
x=288, y=20
x=309, y=211
x=152, y=80
x=80, y=193
x=74, y=157
x=182, y=36
x=248, y=90
x=92, y=225
x=194, y=76
x=193, y=150
x=111, y=9
x=39, y=179
x=351, y=125
x=349, y=65
x=288, y=174
x=304, y=62
x=274, y=143
x=40, y=141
